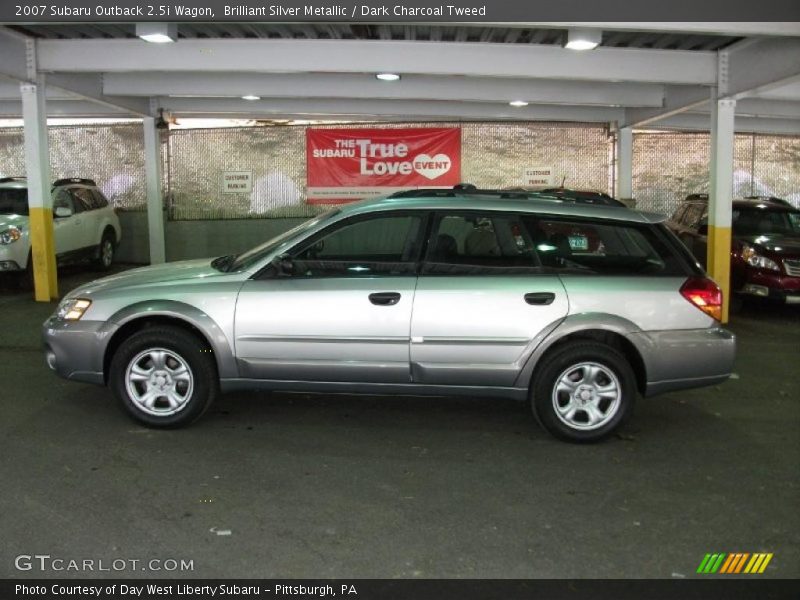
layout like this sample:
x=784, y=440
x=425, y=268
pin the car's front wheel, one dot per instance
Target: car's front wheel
x=164, y=376
x=583, y=391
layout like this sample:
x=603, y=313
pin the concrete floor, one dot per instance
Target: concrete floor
x=317, y=486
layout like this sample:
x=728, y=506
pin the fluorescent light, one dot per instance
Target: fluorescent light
x=518, y=103
x=583, y=39
x=251, y=97
x=157, y=33
x=388, y=76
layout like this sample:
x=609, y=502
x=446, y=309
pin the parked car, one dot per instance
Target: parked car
x=85, y=226
x=765, y=249
x=466, y=294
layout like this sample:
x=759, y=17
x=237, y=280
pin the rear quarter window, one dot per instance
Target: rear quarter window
x=603, y=247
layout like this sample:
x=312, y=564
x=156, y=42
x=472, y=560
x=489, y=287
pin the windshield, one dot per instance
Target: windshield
x=255, y=255
x=758, y=221
x=13, y=201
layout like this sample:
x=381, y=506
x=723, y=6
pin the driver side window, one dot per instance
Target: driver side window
x=362, y=247
x=63, y=199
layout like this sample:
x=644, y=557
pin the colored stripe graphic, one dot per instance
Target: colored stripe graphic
x=734, y=563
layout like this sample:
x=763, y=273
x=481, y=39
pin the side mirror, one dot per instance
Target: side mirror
x=702, y=230
x=62, y=212
x=284, y=267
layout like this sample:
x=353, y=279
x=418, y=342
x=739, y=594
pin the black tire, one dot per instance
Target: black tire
x=179, y=345
x=106, y=251
x=558, y=364
x=25, y=281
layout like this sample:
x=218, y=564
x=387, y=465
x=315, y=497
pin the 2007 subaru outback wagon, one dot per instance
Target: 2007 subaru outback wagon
x=576, y=308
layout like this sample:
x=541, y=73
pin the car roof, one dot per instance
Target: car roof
x=769, y=202
x=22, y=182
x=456, y=200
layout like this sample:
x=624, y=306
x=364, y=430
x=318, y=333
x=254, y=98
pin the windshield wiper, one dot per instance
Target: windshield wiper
x=223, y=263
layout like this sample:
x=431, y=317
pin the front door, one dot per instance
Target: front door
x=482, y=300
x=342, y=313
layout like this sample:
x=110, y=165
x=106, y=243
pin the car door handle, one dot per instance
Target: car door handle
x=384, y=298
x=540, y=298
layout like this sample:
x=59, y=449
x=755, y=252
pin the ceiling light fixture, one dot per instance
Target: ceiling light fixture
x=251, y=97
x=518, y=103
x=157, y=33
x=388, y=76
x=583, y=39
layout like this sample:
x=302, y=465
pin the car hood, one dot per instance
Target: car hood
x=7, y=221
x=155, y=274
x=781, y=245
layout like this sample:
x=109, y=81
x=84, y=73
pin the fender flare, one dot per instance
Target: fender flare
x=179, y=311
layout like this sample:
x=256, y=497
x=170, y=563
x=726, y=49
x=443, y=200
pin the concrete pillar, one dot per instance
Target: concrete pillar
x=155, y=204
x=720, y=197
x=625, y=163
x=40, y=202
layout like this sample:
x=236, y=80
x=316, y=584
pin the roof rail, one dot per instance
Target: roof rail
x=71, y=180
x=10, y=179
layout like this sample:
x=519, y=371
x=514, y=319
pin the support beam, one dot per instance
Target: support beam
x=625, y=163
x=790, y=91
x=759, y=107
x=12, y=109
x=90, y=87
x=155, y=204
x=365, y=86
x=721, y=193
x=758, y=65
x=400, y=109
x=677, y=99
x=374, y=56
x=40, y=203
x=700, y=122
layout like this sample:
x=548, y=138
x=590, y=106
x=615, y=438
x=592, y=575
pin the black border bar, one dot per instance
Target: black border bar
x=398, y=11
x=744, y=587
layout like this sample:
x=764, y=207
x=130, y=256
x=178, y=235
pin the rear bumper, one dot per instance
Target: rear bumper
x=684, y=359
x=74, y=349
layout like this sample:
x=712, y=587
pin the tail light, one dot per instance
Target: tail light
x=704, y=294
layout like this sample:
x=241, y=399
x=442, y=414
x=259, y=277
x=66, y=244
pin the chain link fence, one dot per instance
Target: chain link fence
x=667, y=165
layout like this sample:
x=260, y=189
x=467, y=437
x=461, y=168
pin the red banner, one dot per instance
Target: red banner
x=350, y=164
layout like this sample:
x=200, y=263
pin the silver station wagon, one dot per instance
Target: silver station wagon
x=575, y=308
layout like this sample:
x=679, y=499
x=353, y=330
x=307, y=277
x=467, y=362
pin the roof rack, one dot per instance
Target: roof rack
x=513, y=193
x=10, y=179
x=72, y=180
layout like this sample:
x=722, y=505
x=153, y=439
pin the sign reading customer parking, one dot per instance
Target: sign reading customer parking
x=350, y=164
x=237, y=182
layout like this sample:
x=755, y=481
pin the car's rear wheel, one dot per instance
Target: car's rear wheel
x=583, y=391
x=164, y=376
x=105, y=252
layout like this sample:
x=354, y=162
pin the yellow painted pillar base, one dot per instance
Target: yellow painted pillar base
x=43, y=253
x=719, y=263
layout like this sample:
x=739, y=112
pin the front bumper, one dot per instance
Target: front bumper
x=772, y=285
x=13, y=257
x=687, y=358
x=75, y=349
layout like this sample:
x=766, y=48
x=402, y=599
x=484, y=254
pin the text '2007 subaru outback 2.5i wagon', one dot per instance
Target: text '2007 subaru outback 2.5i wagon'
x=577, y=308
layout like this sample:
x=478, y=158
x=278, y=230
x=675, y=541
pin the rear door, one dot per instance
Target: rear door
x=65, y=229
x=482, y=299
x=345, y=311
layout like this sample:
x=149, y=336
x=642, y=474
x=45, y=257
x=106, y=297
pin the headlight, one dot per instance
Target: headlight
x=754, y=259
x=72, y=309
x=10, y=235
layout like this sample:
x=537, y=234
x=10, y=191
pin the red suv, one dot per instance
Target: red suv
x=765, y=252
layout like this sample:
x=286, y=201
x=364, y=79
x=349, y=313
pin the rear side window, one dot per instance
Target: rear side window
x=602, y=247
x=480, y=243
x=99, y=201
